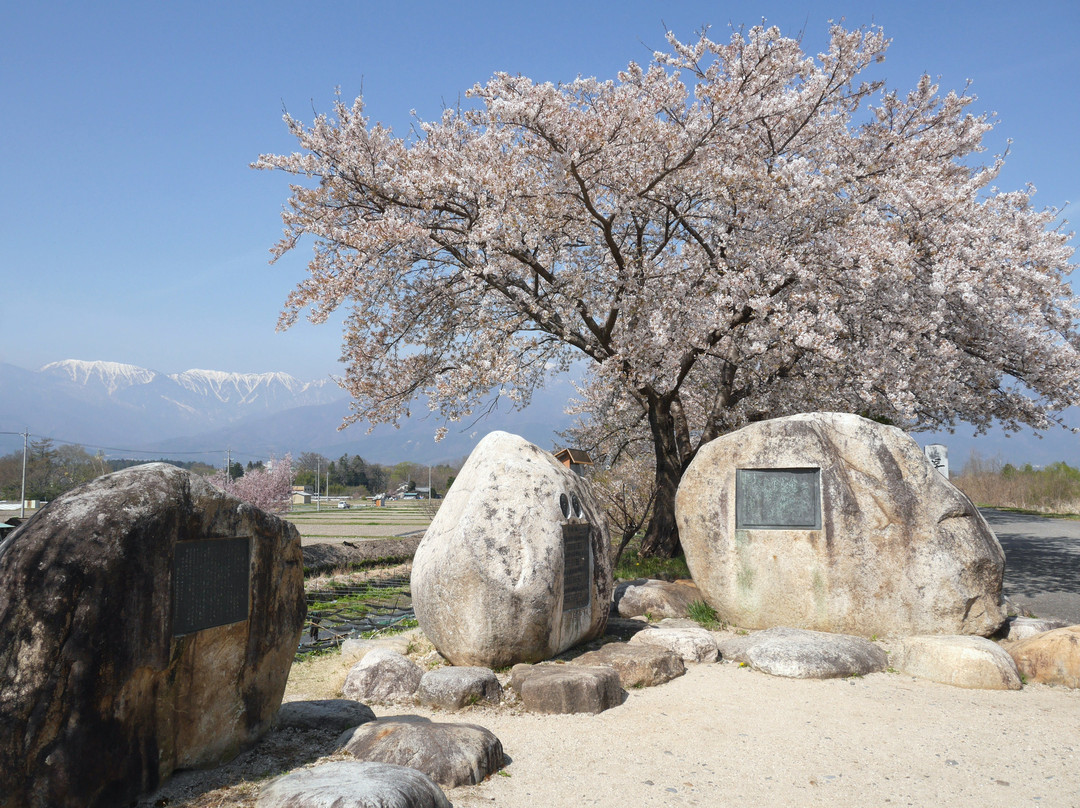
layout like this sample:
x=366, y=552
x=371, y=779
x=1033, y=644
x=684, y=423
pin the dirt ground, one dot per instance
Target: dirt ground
x=722, y=734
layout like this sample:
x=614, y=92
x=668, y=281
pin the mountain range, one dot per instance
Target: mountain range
x=130, y=411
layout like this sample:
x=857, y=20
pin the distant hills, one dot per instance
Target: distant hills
x=124, y=408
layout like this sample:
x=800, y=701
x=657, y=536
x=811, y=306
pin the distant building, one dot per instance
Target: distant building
x=425, y=492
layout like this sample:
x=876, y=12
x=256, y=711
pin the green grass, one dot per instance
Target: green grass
x=704, y=615
x=667, y=569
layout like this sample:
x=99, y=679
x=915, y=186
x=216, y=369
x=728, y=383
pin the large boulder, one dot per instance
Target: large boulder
x=836, y=523
x=147, y=623
x=515, y=566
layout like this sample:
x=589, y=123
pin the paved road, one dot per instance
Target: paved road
x=1042, y=563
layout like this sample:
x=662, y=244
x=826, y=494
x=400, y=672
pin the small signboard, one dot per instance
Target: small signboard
x=938, y=456
x=576, y=577
x=778, y=499
x=211, y=583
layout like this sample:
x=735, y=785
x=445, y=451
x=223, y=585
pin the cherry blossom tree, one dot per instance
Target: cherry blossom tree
x=269, y=489
x=732, y=232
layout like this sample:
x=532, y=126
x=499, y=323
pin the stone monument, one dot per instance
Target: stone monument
x=836, y=523
x=515, y=565
x=147, y=624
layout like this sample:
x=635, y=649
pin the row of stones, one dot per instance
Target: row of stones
x=414, y=756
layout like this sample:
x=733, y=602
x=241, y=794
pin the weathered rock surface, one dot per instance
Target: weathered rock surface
x=450, y=754
x=382, y=676
x=353, y=784
x=1021, y=628
x=655, y=598
x=1051, y=658
x=692, y=644
x=327, y=714
x=802, y=654
x=454, y=688
x=559, y=689
x=114, y=669
x=637, y=665
x=899, y=550
x=961, y=661
x=515, y=567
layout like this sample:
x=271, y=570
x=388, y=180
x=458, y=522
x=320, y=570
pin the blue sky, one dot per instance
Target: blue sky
x=134, y=231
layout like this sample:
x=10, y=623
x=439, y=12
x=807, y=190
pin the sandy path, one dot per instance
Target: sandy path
x=723, y=735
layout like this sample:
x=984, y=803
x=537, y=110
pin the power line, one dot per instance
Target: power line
x=158, y=452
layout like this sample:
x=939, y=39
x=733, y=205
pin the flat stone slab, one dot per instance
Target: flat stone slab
x=1052, y=657
x=382, y=676
x=450, y=754
x=559, y=689
x=638, y=665
x=957, y=660
x=691, y=642
x=804, y=654
x=349, y=784
x=455, y=688
x=645, y=596
x=328, y=714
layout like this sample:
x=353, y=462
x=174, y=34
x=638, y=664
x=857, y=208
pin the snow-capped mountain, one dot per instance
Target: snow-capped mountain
x=115, y=404
x=122, y=407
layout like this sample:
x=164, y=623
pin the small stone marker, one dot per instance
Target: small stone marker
x=154, y=620
x=450, y=754
x=960, y=661
x=455, y=688
x=637, y=665
x=561, y=689
x=382, y=676
x=515, y=566
x=801, y=654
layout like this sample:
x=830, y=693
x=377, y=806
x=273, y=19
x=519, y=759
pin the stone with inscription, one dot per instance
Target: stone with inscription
x=515, y=566
x=835, y=523
x=147, y=623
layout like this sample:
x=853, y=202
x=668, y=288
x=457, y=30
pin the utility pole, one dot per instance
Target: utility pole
x=22, y=493
x=318, y=481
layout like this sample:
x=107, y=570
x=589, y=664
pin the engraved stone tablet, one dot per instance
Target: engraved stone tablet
x=576, y=577
x=778, y=499
x=211, y=583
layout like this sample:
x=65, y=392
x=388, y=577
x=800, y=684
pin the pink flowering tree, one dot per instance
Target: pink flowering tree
x=269, y=489
x=733, y=232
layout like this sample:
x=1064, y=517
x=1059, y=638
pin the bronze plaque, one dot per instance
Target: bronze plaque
x=211, y=583
x=576, y=578
x=778, y=499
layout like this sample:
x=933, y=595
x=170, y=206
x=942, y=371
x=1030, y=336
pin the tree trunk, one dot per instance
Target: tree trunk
x=662, y=536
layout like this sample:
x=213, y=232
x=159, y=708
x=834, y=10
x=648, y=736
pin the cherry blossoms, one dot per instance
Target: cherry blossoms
x=733, y=232
x=269, y=489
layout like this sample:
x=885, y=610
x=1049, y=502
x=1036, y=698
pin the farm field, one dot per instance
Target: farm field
x=361, y=521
